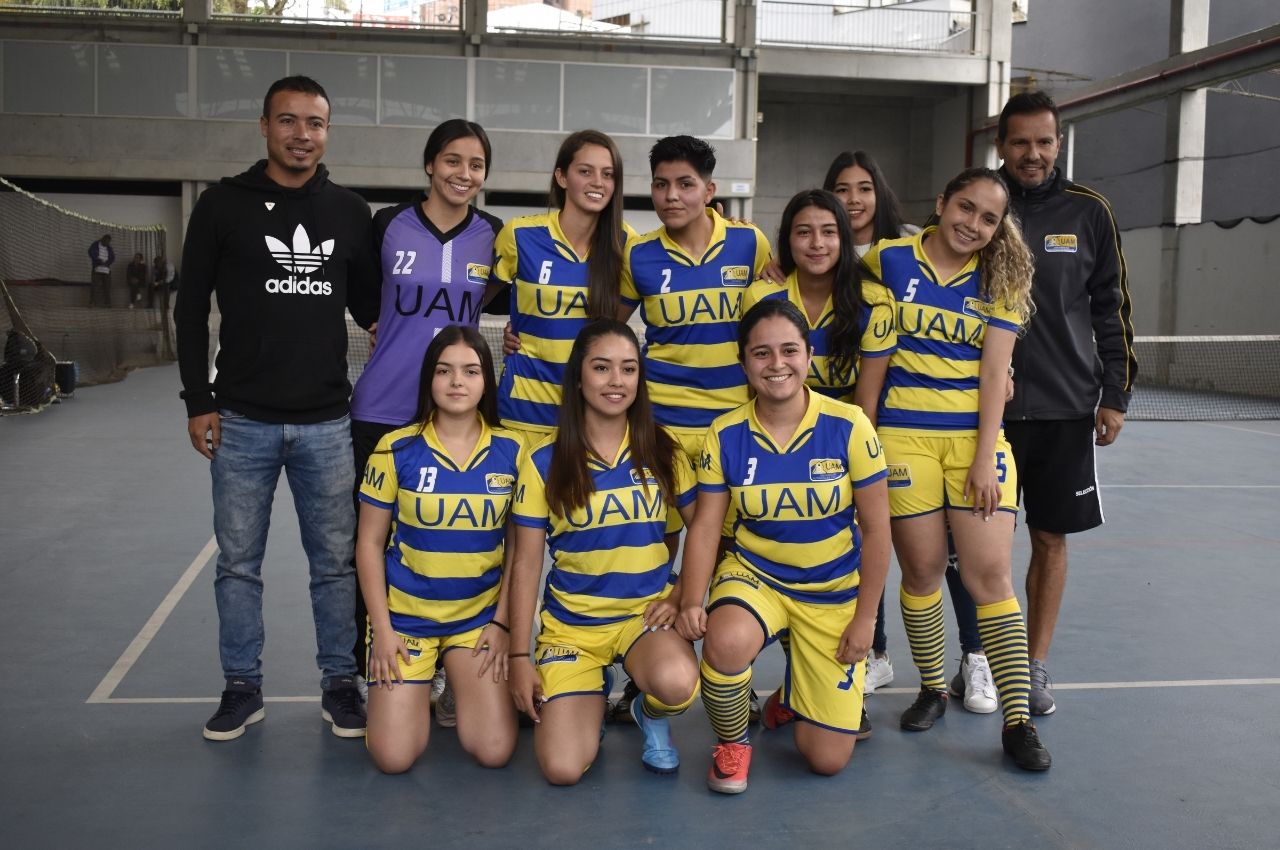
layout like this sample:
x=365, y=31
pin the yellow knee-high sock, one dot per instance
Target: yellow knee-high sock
x=1004, y=636
x=655, y=708
x=922, y=616
x=724, y=696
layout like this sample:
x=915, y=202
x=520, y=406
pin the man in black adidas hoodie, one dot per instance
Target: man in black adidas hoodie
x=1075, y=366
x=286, y=252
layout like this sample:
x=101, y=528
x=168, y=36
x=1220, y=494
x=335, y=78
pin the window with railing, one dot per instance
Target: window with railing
x=930, y=26
x=123, y=8
x=153, y=81
x=694, y=20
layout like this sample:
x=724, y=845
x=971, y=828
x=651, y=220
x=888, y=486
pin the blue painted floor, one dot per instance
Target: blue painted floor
x=104, y=506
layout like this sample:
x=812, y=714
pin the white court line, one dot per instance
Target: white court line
x=1113, y=686
x=1057, y=686
x=1246, y=430
x=134, y=650
x=1191, y=486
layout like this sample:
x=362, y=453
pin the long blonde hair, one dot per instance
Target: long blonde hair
x=1006, y=265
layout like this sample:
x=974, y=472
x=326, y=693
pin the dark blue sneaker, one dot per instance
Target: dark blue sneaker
x=340, y=705
x=659, y=754
x=241, y=705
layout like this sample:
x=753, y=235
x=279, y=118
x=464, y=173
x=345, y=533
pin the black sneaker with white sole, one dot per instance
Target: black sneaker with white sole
x=340, y=705
x=241, y=705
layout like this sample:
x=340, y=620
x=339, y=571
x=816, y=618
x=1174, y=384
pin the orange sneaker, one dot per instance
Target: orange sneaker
x=775, y=714
x=729, y=766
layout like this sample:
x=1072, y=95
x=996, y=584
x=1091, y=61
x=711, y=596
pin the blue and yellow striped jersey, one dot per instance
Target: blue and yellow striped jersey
x=548, y=309
x=444, y=558
x=796, y=525
x=609, y=560
x=691, y=308
x=878, y=336
x=932, y=383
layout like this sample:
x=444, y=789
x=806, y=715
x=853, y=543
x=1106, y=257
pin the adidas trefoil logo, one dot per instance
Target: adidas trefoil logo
x=301, y=259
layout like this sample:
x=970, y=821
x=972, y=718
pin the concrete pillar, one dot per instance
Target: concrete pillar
x=997, y=35
x=196, y=11
x=1184, y=156
x=1184, y=122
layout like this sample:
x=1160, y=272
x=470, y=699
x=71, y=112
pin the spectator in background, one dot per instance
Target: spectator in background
x=136, y=275
x=164, y=279
x=101, y=256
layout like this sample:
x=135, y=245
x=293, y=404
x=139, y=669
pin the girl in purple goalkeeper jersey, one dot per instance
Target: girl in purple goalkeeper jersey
x=434, y=255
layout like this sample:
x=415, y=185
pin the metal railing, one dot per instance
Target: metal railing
x=690, y=20
x=861, y=27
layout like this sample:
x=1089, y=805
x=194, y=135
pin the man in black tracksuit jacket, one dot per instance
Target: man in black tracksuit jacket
x=1074, y=368
x=286, y=252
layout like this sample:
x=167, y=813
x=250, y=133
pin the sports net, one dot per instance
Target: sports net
x=100, y=324
x=1180, y=378
x=1196, y=378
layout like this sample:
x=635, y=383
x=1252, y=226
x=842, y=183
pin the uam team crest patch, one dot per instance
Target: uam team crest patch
x=1060, y=243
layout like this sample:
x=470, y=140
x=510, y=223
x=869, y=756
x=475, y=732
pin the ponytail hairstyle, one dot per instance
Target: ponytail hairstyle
x=450, y=131
x=569, y=484
x=768, y=309
x=604, y=262
x=1005, y=264
x=451, y=335
x=845, y=332
x=888, y=221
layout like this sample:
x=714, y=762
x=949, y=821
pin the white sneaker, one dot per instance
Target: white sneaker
x=975, y=684
x=879, y=672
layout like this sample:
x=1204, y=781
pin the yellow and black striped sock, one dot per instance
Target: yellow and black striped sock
x=655, y=709
x=1004, y=637
x=724, y=696
x=922, y=616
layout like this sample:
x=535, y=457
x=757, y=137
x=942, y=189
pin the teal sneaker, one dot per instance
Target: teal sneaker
x=659, y=754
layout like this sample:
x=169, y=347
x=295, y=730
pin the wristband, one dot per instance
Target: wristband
x=500, y=625
x=517, y=655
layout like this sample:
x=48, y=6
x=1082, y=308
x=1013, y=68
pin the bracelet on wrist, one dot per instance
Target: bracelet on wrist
x=500, y=625
x=517, y=655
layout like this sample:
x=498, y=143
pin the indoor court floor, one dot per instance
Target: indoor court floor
x=1166, y=662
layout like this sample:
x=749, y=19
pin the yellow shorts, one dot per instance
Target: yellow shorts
x=817, y=687
x=530, y=437
x=425, y=653
x=571, y=659
x=927, y=474
x=691, y=441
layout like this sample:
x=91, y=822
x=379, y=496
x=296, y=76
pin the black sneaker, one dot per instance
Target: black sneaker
x=1022, y=742
x=241, y=705
x=341, y=706
x=863, y=732
x=620, y=711
x=928, y=707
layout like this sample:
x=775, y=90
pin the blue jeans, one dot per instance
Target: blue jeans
x=317, y=462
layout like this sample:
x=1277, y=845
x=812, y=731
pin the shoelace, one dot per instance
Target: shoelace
x=1039, y=678
x=980, y=678
x=232, y=701
x=728, y=759
x=346, y=699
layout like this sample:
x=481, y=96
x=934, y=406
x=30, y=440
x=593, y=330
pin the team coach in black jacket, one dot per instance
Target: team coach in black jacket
x=286, y=252
x=1075, y=367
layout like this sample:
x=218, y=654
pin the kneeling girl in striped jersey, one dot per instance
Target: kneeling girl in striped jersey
x=806, y=477
x=602, y=493
x=963, y=291
x=441, y=487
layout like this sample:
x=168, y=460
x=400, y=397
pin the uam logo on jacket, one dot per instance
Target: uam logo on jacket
x=301, y=259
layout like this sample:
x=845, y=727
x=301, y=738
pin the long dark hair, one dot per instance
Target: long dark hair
x=604, y=263
x=569, y=483
x=845, y=331
x=887, y=222
x=451, y=335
